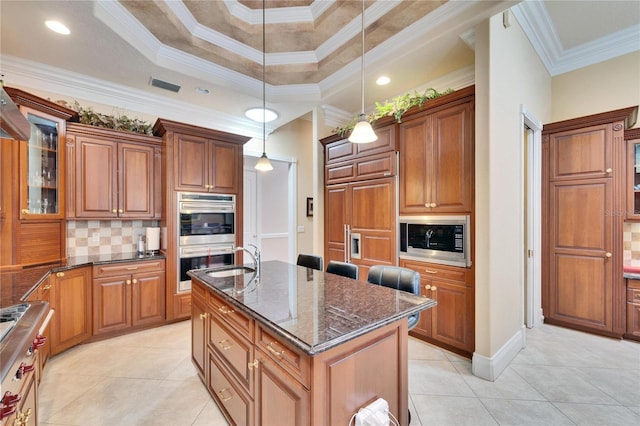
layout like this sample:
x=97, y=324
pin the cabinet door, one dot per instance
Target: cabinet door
x=147, y=298
x=136, y=186
x=452, y=318
x=335, y=219
x=42, y=167
x=198, y=335
x=223, y=172
x=40, y=242
x=633, y=179
x=279, y=399
x=373, y=217
x=111, y=304
x=452, y=165
x=581, y=154
x=580, y=244
x=415, y=169
x=70, y=298
x=191, y=162
x=96, y=178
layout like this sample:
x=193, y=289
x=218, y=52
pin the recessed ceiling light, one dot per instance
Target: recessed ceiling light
x=257, y=114
x=202, y=91
x=382, y=80
x=58, y=27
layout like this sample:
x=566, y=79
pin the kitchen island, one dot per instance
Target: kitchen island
x=300, y=346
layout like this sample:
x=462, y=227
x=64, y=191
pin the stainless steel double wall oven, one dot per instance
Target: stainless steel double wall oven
x=207, y=224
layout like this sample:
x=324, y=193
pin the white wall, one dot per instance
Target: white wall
x=508, y=74
x=602, y=87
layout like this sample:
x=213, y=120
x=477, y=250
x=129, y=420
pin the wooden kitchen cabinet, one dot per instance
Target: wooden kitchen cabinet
x=582, y=215
x=206, y=165
x=436, y=160
x=128, y=295
x=633, y=309
x=632, y=136
x=451, y=323
x=70, y=299
x=115, y=174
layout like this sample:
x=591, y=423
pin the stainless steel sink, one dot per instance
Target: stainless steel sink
x=230, y=271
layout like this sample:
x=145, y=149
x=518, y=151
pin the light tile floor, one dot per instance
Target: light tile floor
x=563, y=377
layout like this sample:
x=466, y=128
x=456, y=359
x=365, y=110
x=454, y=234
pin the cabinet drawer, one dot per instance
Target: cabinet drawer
x=237, y=405
x=123, y=268
x=292, y=360
x=635, y=284
x=235, y=350
x=633, y=295
x=428, y=271
x=239, y=321
x=364, y=168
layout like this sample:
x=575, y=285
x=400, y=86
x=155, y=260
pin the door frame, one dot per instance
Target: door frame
x=532, y=295
x=292, y=248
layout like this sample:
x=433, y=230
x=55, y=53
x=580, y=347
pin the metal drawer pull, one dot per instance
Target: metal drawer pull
x=132, y=268
x=203, y=316
x=222, y=397
x=225, y=310
x=430, y=271
x=223, y=346
x=273, y=351
x=253, y=364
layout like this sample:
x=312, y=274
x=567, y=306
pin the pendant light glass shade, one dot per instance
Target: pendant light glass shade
x=362, y=132
x=263, y=163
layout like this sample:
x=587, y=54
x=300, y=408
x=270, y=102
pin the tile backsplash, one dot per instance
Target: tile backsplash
x=631, y=241
x=92, y=237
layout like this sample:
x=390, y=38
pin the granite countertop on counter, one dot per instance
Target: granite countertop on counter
x=631, y=272
x=17, y=285
x=313, y=310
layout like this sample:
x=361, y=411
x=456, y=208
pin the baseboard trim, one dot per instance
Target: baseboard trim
x=491, y=368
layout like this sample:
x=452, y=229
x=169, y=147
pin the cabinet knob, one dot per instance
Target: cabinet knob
x=607, y=254
x=433, y=204
x=120, y=211
x=135, y=281
x=427, y=204
x=25, y=211
x=434, y=288
x=60, y=274
x=114, y=211
x=427, y=287
x=128, y=282
x=609, y=170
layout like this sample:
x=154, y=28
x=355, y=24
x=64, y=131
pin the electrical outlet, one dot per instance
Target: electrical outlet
x=374, y=414
x=95, y=237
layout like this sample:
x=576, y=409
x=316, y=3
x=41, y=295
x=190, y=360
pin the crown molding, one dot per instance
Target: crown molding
x=335, y=117
x=538, y=27
x=50, y=79
x=281, y=15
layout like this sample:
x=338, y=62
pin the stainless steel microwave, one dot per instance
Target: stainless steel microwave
x=437, y=239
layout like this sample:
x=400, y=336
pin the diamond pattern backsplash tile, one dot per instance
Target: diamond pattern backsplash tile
x=631, y=243
x=92, y=237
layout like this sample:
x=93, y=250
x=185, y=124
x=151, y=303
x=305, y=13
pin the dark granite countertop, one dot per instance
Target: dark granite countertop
x=17, y=285
x=313, y=310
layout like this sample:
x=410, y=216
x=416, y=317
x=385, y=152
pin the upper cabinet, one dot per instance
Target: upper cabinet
x=115, y=174
x=42, y=163
x=632, y=136
x=436, y=159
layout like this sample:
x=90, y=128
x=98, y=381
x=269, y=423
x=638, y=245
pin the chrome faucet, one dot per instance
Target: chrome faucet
x=255, y=256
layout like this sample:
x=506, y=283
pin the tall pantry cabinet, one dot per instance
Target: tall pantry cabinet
x=583, y=205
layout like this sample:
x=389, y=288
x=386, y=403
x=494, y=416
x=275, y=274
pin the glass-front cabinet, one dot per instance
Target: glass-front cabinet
x=633, y=173
x=42, y=158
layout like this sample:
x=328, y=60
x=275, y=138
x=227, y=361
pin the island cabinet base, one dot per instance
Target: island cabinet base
x=258, y=378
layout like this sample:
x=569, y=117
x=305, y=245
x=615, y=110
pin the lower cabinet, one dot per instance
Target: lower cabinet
x=451, y=322
x=633, y=309
x=257, y=378
x=128, y=294
x=70, y=299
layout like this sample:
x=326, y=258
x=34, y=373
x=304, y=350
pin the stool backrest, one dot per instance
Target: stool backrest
x=310, y=261
x=343, y=268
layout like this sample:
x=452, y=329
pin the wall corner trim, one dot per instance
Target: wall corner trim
x=491, y=368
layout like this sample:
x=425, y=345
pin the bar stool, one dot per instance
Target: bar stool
x=345, y=269
x=310, y=261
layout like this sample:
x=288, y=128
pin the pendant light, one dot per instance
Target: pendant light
x=362, y=132
x=263, y=163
